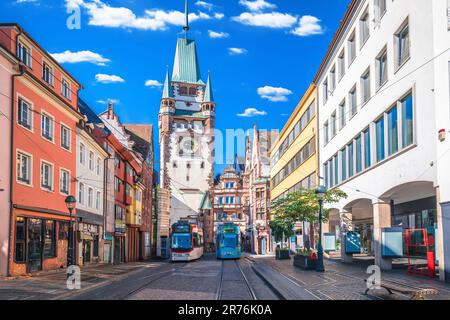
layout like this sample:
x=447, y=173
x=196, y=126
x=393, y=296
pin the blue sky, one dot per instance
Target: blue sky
x=262, y=54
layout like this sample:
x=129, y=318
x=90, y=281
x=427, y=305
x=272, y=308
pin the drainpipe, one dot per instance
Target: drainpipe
x=12, y=166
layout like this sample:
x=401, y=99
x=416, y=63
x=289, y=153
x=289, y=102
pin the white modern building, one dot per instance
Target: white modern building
x=383, y=98
x=90, y=196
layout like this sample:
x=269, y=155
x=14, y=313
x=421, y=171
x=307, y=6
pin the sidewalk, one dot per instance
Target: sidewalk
x=52, y=284
x=346, y=281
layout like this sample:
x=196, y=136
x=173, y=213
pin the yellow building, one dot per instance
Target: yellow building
x=293, y=158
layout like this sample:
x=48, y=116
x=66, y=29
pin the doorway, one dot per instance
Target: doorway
x=35, y=235
x=87, y=251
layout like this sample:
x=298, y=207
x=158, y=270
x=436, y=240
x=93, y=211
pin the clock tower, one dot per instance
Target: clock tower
x=186, y=136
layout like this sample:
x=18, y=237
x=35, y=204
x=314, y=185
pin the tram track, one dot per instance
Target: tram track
x=232, y=279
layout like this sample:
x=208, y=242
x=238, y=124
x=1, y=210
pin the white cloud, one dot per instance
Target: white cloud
x=217, y=35
x=257, y=5
x=219, y=16
x=236, y=51
x=26, y=1
x=274, y=94
x=252, y=112
x=274, y=20
x=308, y=25
x=115, y=101
x=101, y=14
x=107, y=78
x=205, y=5
x=153, y=83
x=80, y=56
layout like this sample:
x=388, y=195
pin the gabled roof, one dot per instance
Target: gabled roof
x=142, y=135
x=205, y=204
x=186, y=67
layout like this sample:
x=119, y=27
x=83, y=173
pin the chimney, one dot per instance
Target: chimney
x=110, y=110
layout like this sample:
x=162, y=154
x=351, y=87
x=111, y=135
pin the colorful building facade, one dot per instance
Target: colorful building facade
x=44, y=118
x=294, y=161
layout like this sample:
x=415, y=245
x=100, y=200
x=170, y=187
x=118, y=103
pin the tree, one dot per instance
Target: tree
x=302, y=206
x=281, y=228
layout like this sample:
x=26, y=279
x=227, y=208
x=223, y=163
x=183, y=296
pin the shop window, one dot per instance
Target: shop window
x=49, y=239
x=95, y=249
x=20, y=247
x=63, y=230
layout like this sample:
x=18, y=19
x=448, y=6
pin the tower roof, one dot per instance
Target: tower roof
x=208, y=91
x=186, y=67
x=167, y=92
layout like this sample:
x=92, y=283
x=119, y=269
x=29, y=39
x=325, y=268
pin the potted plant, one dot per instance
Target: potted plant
x=305, y=259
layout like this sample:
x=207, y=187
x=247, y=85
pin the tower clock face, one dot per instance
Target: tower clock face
x=189, y=145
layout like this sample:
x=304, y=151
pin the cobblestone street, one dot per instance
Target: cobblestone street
x=250, y=278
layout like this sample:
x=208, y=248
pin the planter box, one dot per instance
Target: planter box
x=305, y=263
x=282, y=254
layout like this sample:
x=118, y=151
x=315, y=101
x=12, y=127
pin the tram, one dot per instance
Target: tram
x=228, y=242
x=186, y=242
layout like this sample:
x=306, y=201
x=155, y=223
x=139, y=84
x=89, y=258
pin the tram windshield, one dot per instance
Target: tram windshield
x=181, y=241
x=229, y=241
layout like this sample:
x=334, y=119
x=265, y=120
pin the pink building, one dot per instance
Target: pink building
x=8, y=67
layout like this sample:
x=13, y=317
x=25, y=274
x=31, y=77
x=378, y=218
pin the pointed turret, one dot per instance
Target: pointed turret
x=167, y=92
x=208, y=90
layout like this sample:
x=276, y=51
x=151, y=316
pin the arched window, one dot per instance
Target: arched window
x=192, y=91
x=183, y=91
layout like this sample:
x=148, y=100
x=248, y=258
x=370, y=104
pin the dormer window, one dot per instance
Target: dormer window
x=65, y=89
x=47, y=74
x=24, y=54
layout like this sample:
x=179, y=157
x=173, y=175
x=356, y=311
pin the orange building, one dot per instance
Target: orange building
x=44, y=117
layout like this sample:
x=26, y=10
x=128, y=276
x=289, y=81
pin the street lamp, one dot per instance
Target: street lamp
x=70, y=203
x=320, y=192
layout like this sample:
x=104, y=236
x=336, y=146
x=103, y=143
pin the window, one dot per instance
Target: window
x=23, y=168
x=65, y=137
x=325, y=169
x=81, y=193
x=90, y=197
x=364, y=31
x=350, y=159
x=333, y=79
x=351, y=48
x=24, y=114
x=49, y=239
x=183, y=91
x=342, y=115
x=117, y=184
x=325, y=91
x=20, y=243
x=380, y=9
x=192, y=91
x=392, y=131
x=330, y=166
x=365, y=87
x=98, y=167
x=82, y=154
x=65, y=89
x=47, y=176
x=352, y=101
x=325, y=132
x=333, y=124
x=64, y=181
x=343, y=164
x=407, y=121
x=341, y=65
x=381, y=68
x=336, y=169
x=91, y=160
x=24, y=54
x=47, y=74
x=117, y=161
x=367, y=153
x=401, y=40
x=47, y=127
x=379, y=125
x=358, y=152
